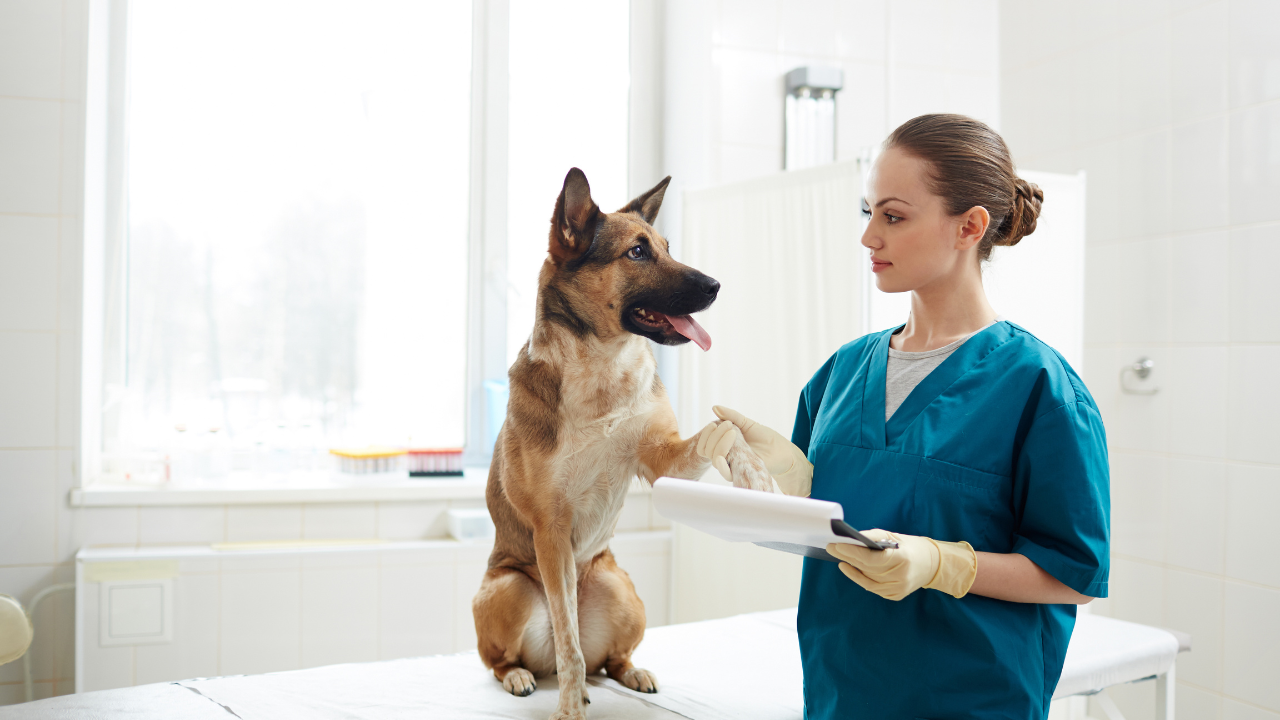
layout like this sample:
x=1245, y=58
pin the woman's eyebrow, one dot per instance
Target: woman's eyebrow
x=878, y=204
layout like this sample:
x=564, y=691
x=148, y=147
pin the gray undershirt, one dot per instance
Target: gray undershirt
x=907, y=370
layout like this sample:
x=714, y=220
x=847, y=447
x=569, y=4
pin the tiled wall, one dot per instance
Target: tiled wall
x=271, y=610
x=1173, y=109
x=42, y=51
x=901, y=58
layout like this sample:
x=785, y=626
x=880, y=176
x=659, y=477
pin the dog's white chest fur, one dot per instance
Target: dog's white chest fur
x=597, y=455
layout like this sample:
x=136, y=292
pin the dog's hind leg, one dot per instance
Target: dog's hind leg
x=502, y=610
x=612, y=621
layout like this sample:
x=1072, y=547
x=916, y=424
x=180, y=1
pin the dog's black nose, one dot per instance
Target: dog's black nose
x=709, y=285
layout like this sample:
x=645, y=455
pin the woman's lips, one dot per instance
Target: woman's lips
x=878, y=265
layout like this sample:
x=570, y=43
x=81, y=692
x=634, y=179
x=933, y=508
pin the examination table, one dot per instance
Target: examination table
x=744, y=667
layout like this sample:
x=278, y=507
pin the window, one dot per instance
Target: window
x=296, y=240
x=568, y=107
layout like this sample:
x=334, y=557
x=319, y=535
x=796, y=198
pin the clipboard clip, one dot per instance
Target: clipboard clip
x=843, y=529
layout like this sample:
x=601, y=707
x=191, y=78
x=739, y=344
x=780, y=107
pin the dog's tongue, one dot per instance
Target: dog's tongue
x=688, y=327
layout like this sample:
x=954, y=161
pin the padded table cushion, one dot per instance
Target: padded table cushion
x=744, y=667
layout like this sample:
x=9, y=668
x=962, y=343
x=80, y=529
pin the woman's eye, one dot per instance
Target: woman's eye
x=636, y=253
x=866, y=213
x=892, y=219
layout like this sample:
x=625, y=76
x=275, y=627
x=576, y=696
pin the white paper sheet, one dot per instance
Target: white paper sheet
x=780, y=522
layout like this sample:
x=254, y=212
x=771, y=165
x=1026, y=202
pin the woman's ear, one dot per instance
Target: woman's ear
x=973, y=226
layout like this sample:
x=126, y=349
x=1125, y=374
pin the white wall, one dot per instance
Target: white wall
x=1173, y=109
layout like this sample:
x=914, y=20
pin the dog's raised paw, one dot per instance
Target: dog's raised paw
x=519, y=682
x=640, y=680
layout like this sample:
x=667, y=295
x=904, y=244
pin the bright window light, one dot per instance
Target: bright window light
x=297, y=181
x=569, y=89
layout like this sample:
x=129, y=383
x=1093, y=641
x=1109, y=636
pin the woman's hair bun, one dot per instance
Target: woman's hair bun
x=1021, y=220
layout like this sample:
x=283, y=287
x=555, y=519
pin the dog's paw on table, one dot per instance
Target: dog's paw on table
x=519, y=682
x=640, y=680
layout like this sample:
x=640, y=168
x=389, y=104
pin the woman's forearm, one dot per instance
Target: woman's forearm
x=1015, y=578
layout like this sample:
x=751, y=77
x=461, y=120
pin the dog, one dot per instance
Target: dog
x=587, y=413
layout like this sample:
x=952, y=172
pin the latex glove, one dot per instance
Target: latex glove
x=722, y=443
x=785, y=462
x=917, y=562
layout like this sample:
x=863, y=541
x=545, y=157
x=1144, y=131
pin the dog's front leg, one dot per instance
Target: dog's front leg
x=553, y=544
x=664, y=454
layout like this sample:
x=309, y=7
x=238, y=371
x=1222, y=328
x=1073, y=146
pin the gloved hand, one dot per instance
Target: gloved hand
x=917, y=562
x=722, y=443
x=785, y=462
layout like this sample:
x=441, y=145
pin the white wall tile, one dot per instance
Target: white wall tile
x=72, y=154
x=969, y=36
x=1252, y=535
x=31, y=49
x=860, y=109
x=1105, y=193
x=1251, y=654
x=862, y=34
x=29, y=155
x=635, y=514
x=1194, y=605
x=1038, y=119
x=1253, y=394
x=1254, y=293
x=918, y=31
x=744, y=162
x=260, y=622
x=1095, y=92
x=27, y=511
x=751, y=97
x=805, y=27
x=181, y=525
x=28, y=273
x=1144, y=307
x=1197, y=503
x=977, y=96
x=28, y=368
x=339, y=520
x=748, y=24
x=1195, y=379
x=1235, y=710
x=1137, y=591
x=255, y=523
x=412, y=520
x=340, y=614
x=1199, y=179
x=1027, y=32
x=1255, y=163
x=1254, y=53
x=97, y=527
x=67, y=388
x=1198, y=62
x=915, y=92
x=1194, y=702
x=416, y=609
x=1144, y=78
x=194, y=650
x=1139, y=422
x=1199, y=265
x=1138, y=500
x=1147, y=184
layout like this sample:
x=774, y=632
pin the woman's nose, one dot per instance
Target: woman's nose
x=869, y=240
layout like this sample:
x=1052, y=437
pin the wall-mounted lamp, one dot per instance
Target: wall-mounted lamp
x=811, y=116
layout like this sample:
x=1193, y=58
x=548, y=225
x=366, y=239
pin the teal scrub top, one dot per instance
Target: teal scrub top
x=1001, y=446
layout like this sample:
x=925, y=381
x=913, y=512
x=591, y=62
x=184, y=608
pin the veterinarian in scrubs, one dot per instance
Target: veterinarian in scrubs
x=974, y=446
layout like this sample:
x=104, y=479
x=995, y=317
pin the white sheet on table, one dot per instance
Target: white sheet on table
x=457, y=687
x=1105, y=652
x=740, y=515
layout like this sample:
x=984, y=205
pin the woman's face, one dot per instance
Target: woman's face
x=913, y=241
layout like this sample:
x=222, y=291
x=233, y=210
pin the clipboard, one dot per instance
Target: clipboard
x=801, y=526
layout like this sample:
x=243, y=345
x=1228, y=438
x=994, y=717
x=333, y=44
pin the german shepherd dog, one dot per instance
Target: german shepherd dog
x=586, y=414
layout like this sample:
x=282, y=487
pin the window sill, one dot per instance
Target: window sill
x=470, y=486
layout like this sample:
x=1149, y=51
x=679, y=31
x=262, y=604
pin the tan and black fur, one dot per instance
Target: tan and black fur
x=586, y=414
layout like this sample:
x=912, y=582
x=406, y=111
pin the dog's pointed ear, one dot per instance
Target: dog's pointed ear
x=648, y=204
x=573, y=226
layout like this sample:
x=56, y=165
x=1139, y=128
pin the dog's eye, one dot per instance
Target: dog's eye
x=636, y=253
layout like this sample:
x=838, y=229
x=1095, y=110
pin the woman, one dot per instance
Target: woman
x=970, y=441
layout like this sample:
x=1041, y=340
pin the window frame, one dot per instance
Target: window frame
x=105, y=252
